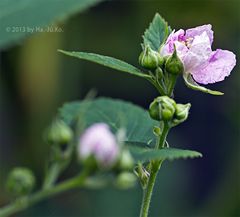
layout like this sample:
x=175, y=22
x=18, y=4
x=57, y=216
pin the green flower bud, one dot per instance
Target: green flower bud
x=174, y=65
x=156, y=131
x=154, y=110
x=142, y=174
x=59, y=133
x=149, y=58
x=125, y=180
x=21, y=181
x=126, y=161
x=162, y=108
x=181, y=114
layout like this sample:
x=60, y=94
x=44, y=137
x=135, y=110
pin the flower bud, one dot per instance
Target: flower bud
x=149, y=58
x=125, y=180
x=142, y=174
x=21, y=181
x=162, y=108
x=59, y=133
x=126, y=161
x=156, y=131
x=181, y=114
x=174, y=65
x=99, y=143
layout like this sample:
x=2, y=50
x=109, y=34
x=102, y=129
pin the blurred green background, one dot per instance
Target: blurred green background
x=35, y=80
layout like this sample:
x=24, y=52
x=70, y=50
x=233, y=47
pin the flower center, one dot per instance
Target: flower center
x=188, y=42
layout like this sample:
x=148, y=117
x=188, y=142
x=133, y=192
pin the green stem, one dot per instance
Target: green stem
x=56, y=168
x=171, y=85
x=147, y=194
x=157, y=86
x=163, y=136
x=27, y=201
x=155, y=166
x=52, y=175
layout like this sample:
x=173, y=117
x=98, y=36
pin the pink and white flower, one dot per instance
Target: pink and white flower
x=98, y=141
x=194, y=49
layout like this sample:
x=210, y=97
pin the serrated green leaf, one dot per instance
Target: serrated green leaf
x=116, y=113
x=119, y=114
x=157, y=33
x=108, y=61
x=145, y=154
x=193, y=85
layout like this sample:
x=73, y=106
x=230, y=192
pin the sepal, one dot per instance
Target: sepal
x=193, y=85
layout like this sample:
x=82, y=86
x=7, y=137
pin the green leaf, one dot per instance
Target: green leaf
x=119, y=114
x=145, y=154
x=19, y=16
x=157, y=33
x=107, y=61
x=193, y=85
x=116, y=113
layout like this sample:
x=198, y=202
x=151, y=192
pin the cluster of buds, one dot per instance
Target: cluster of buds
x=166, y=109
x=154, y=61
x=21, y=181
x=98, y=147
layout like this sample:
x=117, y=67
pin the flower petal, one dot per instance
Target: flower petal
x=168, y=48
x=181, y=49
x=198, y=53
x=99, y=141
x=220, y=64
x=193, y=32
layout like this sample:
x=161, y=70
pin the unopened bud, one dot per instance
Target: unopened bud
x=142, y=174
x=149, y=58
x=126, y=161
x=174, y=65
x=126, y=180
x=181, y=114
x=156, y=131
x=59, y=133
x=21, y=181
x=162, y=108
x=100, y=144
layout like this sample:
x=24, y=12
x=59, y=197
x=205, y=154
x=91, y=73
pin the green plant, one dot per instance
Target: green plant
x=115, y=139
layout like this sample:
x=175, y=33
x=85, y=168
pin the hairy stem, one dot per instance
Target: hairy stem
x=27, y=201
x=155, y=166
x=147, y=194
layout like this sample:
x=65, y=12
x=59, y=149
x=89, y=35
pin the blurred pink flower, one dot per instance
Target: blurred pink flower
x=99, y=142
x=194, y=49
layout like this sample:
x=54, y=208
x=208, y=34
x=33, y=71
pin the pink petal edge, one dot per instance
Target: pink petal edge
x=191, y=33
x=220, y=65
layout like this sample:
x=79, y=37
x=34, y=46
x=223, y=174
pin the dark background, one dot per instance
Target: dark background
x=35, y=80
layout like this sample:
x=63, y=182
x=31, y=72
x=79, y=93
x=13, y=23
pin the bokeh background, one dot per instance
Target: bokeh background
x=35, y=80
